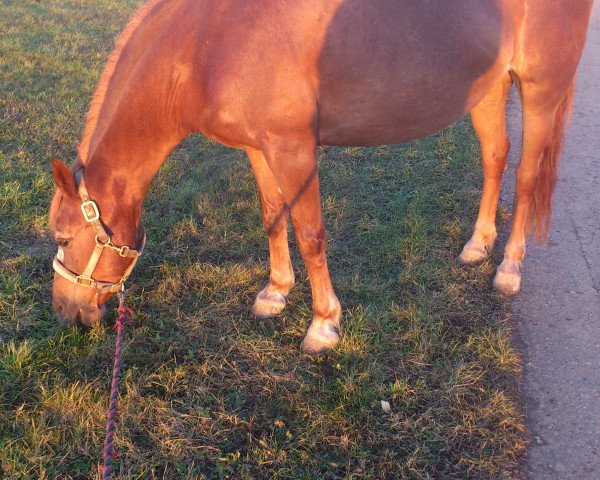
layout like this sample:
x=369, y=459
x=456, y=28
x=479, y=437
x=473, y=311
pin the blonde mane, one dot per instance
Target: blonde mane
x=102, y=88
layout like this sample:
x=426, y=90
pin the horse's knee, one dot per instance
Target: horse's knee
x=274, y=216
x=312, y=243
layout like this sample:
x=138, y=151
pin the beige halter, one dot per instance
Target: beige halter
x=92, y=215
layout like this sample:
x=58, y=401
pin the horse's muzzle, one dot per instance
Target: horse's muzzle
x=71, y=314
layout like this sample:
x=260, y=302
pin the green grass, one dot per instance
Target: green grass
x=208, y=391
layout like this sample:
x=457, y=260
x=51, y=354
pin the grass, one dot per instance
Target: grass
x=209, y=392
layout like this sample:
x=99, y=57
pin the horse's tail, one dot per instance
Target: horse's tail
x=548, y=173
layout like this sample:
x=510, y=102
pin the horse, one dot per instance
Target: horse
x=277, y=79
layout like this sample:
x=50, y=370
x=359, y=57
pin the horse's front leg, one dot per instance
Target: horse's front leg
x=275, y=212
x=294, y=164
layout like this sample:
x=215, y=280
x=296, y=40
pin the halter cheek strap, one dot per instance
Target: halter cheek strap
x=102, y=241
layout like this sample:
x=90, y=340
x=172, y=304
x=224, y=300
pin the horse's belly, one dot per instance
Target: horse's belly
x=390, y=71
x=402, y=115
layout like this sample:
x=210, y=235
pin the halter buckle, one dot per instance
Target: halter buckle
x=87, y=282
x=124, y=250
x=90, y=211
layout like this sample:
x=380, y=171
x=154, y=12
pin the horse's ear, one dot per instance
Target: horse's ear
x=64, y=179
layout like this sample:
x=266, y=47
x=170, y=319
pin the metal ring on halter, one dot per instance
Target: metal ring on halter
x=100, y=242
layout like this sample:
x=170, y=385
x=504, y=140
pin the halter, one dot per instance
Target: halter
x=91, y=214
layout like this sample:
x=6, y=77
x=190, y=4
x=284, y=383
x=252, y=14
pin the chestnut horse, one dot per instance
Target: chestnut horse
x=279, y=78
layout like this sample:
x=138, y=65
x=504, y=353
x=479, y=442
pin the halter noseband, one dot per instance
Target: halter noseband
x=92, y=215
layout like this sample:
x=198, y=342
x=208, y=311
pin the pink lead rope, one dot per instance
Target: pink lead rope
x=125, y=316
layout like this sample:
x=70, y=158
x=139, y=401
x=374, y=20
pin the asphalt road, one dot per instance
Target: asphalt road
x=557, y=314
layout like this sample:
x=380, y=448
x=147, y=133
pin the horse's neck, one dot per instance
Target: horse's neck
x=135, y=119
x=120, y=168
x=118, y=174
x=135, y=131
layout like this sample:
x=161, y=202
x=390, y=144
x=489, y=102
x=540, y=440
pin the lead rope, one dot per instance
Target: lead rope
x=125, y=316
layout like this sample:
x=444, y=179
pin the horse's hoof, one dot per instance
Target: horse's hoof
x=473, y=252
x=507, y=280
x=268, y=304
x=320, y=337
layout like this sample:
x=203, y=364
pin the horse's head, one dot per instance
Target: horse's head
x=89, y=266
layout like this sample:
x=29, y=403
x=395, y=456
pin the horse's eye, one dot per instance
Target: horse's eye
x=62, y=243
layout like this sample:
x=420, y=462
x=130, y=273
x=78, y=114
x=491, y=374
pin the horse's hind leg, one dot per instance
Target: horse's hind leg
x=544, y=67
x=546, y=106
x=489, y=122
x=293, y=161
x=275, y=212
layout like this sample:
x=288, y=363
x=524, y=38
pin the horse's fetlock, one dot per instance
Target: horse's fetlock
x=331, y=311
x=487, y=234
x=514, y=254
x=282, y=283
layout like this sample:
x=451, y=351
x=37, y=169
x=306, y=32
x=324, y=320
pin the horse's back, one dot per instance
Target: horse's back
x=355, y=72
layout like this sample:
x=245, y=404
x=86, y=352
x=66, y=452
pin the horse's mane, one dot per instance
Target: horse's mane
x=100, y=92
